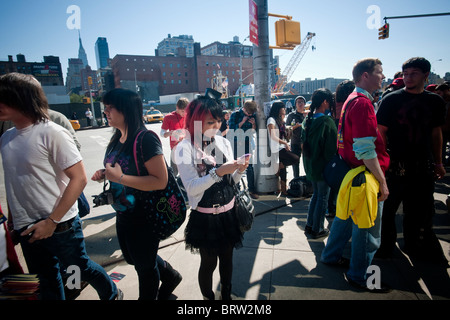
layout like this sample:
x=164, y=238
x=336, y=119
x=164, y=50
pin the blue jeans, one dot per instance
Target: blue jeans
x=140, y=247
x=318, y=206
x=251, y=179
x=365, y=243
x=46, y=257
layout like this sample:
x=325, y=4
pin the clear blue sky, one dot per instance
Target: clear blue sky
x=38, y=28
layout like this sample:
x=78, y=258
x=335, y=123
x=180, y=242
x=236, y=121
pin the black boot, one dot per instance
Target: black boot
x=170, y=278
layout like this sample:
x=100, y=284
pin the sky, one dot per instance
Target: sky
x=346, y=30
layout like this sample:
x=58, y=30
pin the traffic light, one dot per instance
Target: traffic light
x=89, y=81
x=287, y=33
x=383, y=32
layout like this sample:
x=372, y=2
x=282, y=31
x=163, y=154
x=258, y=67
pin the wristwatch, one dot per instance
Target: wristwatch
x=214, y=175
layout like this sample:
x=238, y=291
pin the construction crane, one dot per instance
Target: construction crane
x=299, y=52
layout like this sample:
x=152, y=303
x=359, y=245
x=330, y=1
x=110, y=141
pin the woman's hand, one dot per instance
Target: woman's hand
x=288, y=148
x=227, y=168
x=113, y=173
x=243, y=163
x=98, y=175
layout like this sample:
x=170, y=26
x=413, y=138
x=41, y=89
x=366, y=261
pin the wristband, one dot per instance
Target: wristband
x=214, y=175
x=120, y=179
x=54, y=221
x=438, y=165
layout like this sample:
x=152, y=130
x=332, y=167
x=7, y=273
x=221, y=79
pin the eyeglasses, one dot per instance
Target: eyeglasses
x=108, y=108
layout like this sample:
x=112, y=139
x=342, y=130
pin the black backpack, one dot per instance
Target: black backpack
x=300, y=187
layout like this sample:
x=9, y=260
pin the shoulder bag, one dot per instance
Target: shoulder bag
x=244, y=208
x=164, y=209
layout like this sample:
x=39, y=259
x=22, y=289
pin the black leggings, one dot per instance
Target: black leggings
x=208, y=264
x=287, y=158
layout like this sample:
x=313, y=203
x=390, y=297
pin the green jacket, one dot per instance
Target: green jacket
x=322, y=138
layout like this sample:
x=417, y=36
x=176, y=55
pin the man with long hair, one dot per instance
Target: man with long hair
x=44, y=176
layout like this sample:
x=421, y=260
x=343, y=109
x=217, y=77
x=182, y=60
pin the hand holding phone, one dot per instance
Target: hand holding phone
x=242, y=159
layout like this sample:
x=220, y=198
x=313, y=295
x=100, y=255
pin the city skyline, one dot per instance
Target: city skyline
x=345, y=31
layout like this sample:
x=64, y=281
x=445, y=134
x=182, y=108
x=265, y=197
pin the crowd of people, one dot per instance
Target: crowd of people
x=396, y=139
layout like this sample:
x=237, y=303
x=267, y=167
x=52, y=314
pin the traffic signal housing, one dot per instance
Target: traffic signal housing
x=287, y=33
x=383, y=32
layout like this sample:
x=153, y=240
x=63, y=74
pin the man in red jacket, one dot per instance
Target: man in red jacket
x=360, y=143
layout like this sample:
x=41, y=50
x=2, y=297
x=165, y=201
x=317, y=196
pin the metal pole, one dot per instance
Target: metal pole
x=419, y=16
x=94, y=124
x=265, y=179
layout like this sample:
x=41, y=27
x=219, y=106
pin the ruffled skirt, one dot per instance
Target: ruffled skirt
x=212, y=231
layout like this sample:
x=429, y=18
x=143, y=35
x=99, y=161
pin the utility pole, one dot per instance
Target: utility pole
x=267, y=165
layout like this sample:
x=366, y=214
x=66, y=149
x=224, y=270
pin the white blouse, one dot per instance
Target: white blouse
x=195, y=184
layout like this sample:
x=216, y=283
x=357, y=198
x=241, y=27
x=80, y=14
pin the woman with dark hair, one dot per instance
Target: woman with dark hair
x=343, y=90
x=277, y=133
x=319, y=146
x=123, y=109
x=206, y=166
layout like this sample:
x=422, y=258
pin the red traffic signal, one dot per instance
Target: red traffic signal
x=383, y=32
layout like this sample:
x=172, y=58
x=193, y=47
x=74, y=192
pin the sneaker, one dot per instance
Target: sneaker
x=169, y=282
x=308, y=230
x=383, y=287
x=321, y=234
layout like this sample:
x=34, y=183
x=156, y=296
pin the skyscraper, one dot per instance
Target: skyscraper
x=81, y=53
x=101, y=52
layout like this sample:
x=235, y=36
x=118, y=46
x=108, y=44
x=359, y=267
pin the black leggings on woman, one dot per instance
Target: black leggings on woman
x=208, y=265
x=287, y=158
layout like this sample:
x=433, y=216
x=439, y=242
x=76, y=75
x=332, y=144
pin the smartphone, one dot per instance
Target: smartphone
x=242, y=159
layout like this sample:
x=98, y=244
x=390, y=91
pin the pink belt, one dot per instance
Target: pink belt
x=216, y=209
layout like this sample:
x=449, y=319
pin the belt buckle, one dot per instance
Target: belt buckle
x=216, y=206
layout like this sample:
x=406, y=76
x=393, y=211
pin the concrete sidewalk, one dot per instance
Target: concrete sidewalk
x=279, y=262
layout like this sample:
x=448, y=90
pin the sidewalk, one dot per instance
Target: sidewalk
x=279, y=262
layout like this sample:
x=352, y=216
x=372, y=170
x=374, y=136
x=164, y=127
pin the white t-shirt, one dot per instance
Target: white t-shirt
x=34, y=160
x=275, y=146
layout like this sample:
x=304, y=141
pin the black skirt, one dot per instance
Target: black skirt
x=212, y=232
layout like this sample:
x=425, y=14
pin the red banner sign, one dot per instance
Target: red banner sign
x=253, y=16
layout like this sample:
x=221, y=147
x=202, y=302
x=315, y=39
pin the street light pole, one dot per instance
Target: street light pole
x=90, y=82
